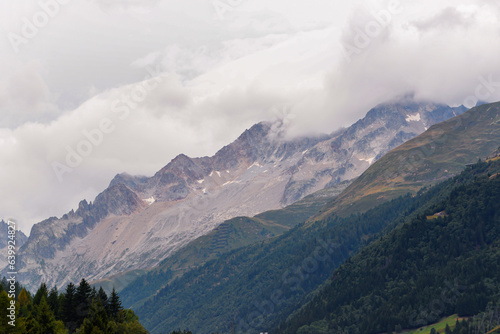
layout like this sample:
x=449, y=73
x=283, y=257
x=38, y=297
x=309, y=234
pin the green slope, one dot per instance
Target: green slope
x=421, y=271
x=231, y=234
x=439, y=326
x=439, y=153
x=256, y=287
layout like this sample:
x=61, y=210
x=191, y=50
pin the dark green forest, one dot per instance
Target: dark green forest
x=78, y=309
x=429, y=267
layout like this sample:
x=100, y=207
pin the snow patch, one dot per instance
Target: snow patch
x=256, y=164
x=229, y=182
x=414, y=118
x=218, y=173
x=150, y=200
x=369, y=160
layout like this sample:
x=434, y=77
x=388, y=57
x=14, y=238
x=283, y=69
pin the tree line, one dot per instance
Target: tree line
x=78, y=309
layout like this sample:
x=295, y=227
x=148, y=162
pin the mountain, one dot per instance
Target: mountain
x=18, y=240
x=230, y=235
x=139, y=221
x=254, y=288
x=439, y=153
x=441, y=262
x=259, y=286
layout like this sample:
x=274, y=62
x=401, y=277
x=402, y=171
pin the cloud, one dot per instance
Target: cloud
x=441, y=64
x=24, y=95
x=448, y=18
x=127, y=4
x=130, y=85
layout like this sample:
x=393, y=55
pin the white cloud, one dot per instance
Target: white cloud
x=448, y=18
x=127, y=4
x=24, y=95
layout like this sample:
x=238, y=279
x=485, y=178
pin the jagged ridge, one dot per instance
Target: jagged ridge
x=146, y=219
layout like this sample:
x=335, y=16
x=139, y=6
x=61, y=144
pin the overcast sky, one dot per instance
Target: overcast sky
x=92, y=88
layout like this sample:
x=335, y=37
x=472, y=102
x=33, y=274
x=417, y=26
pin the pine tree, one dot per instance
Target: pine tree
x=97, y=320
x=93, y=293
x=68, y=311
x=129, y=323
x=115, y=304
x=53, y=301
x=25, y=305
x=103, y=298
x=60, y=311
x=42, y=292
x=46, y=321
x=24, y=298
x=82, y=300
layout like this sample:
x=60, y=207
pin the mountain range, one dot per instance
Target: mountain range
x=255, y=288
x=272, y=234
x=139, y=221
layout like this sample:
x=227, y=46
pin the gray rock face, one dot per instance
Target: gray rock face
x=53, y=235
x=348, y=153
x=138, y=221
x=19, y=239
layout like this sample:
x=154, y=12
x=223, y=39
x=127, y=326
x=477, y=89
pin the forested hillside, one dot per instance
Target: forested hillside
x=445, y=260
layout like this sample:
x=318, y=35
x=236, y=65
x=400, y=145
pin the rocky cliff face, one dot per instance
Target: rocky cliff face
x=19, y=239
x=54, y=236
x=138, y=221
x=349, y=153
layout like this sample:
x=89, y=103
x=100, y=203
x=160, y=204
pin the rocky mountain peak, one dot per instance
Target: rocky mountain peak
x=117, y=200
x=255, y=134
x=183, y=166
x=83, y=208
x=135, y=183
